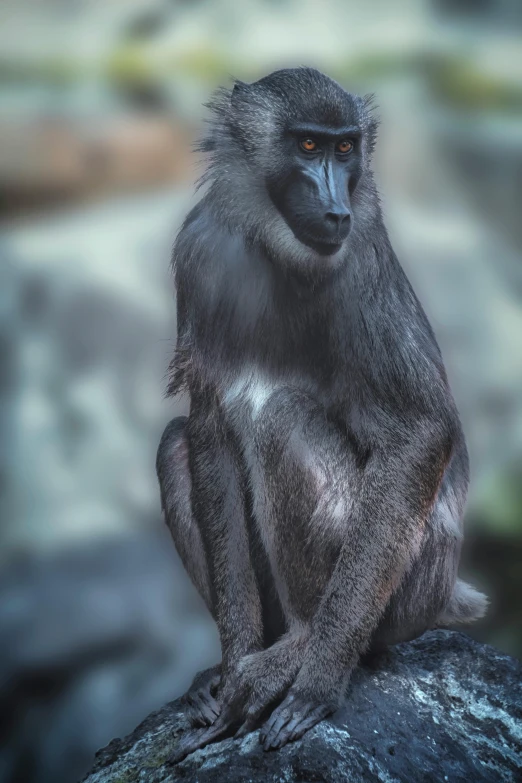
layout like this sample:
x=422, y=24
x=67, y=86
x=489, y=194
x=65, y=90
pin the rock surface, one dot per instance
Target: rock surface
x=441, y=708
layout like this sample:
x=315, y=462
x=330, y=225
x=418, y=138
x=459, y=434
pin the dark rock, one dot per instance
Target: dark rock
x=441, y=708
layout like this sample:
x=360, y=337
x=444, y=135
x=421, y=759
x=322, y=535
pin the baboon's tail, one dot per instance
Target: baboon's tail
x=465, y=606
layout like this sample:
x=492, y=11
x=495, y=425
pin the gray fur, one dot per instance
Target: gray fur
x=465, y=605
x=316, y=491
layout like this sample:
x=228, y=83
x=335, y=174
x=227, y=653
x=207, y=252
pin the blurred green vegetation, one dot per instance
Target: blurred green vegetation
x=499, y=503
x=465, y=85
x=458, y=80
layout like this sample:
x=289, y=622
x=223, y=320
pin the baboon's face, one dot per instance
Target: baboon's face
x=319, y=167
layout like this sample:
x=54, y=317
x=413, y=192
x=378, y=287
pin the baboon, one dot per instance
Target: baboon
x=315, y=492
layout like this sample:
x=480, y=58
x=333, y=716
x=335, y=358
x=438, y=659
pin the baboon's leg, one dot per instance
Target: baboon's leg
x=425, y=591
x=313, y=481
x=430, y=594
x=305, y=482
x=174, y=478
x=172, y=466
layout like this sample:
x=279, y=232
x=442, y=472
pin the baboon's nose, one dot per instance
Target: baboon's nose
x=338, y=221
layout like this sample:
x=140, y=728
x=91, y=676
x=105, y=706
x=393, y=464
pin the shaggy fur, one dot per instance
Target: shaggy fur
x=315, y=493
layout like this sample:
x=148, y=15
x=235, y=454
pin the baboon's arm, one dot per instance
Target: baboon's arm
x=384, y=532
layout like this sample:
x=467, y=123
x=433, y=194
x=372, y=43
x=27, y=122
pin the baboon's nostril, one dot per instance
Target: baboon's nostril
x=338, y=218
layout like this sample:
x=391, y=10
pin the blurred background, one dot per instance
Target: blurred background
x=100, y=101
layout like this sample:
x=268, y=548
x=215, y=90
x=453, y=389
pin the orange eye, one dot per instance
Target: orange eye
x=345, y=146
x=308, y=145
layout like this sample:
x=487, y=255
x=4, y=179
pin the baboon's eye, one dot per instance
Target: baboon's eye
x=345, y=146
x=308, y=145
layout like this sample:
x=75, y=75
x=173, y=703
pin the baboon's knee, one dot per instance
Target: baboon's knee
x=172, y=437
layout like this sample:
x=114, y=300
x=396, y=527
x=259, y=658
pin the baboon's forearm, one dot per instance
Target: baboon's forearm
x=276, y=667
x=383, y=535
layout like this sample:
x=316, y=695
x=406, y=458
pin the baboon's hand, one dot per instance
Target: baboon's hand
x=296, y=714
x=232, y=702
x=257, y=688
x=198, y=738
x=243, y=699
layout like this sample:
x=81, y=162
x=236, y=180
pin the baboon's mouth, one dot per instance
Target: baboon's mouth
x=323, y=246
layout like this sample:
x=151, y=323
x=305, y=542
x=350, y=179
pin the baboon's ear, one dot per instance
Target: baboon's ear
x=369, y=107
x=239, y=90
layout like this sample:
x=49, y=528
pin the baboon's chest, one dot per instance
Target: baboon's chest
x=289, y=451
